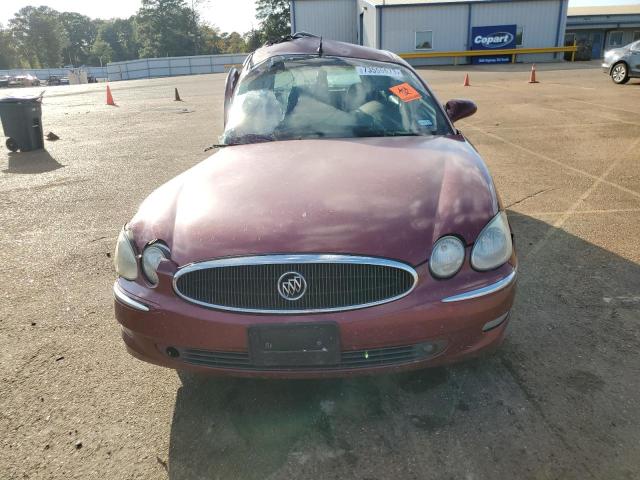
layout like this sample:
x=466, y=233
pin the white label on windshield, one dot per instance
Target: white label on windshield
x=379, y=71
x=425, y=123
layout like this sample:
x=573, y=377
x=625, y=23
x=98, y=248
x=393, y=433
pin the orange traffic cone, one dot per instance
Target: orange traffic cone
x=177, y=96
x=532, y=77
x=466, y=81
x=110, y=97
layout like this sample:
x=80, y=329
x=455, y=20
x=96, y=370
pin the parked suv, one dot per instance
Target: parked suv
x=623, y=63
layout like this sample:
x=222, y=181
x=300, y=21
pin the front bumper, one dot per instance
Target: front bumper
x=606, y=68
x=434, y=325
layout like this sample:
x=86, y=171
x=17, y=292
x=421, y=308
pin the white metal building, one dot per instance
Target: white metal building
x=597, y=29
x=412, y=26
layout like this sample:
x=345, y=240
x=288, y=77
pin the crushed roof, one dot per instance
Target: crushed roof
x=306, y=44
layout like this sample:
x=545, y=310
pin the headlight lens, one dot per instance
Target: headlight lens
x=493, y=246
x=447, y=257
x=151, y=258
x=125, y=257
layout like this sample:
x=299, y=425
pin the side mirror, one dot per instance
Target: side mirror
x=459, y=109
x=232, y=80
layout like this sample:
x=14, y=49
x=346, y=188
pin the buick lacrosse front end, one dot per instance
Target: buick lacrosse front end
x=344, y=226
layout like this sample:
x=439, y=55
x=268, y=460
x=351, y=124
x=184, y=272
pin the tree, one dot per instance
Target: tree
x=274, y=18
x=253, y=40
x=82, y=33
x=232, y=43
x=101, y=51
x=121, y=37
x=210, y=40
x=8, y=54
x=42, y=37
x=166, y=28
x=39, y=36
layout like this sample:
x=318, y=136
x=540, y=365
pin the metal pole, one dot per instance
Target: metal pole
x=195, y=26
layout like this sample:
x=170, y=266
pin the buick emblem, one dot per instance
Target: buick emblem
x=292, y=286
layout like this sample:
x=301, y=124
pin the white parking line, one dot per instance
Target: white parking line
x=560, y=221
x=599, y=179
x=553, y=126
x=577, y=212
x=599, y=105
x=604, y=106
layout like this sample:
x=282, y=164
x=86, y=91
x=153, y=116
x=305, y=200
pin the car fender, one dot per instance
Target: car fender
x=616, y=62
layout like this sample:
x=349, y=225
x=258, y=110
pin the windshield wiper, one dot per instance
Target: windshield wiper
x=247, y=139
x=215, y=145
x=373, y=132
x=403, y=134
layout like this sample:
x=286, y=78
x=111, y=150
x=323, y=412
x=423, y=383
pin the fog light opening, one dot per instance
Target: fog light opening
x=173, y=352
x=495, y=323
x=430, y=349
x=427, y=348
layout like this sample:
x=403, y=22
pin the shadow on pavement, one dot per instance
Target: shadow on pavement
x=555, y=402
x=37, y=161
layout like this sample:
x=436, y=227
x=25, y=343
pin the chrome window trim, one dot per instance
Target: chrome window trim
x=123, y=298
x=481, y=292
x=297, y=258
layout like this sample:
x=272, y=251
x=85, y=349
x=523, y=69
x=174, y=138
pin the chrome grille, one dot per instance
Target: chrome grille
x=352, y=359
x=333, y=283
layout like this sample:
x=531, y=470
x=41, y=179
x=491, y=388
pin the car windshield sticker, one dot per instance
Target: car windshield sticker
x=425, y=123
x=379, y=71
x=405, y=92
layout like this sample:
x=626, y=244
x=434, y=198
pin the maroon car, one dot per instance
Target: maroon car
x=344, y=226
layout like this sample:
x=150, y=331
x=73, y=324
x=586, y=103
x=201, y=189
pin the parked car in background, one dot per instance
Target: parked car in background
x=57, y=80
x=623, y=63
x=4, y=81
x=345, y=226
x=24, y=81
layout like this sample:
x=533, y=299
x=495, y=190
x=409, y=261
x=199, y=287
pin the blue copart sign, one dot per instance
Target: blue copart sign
x=496, y=37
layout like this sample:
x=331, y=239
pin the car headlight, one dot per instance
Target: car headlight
x=151, y=258
x=125, y=257
x=447, y=257
x=493, y=246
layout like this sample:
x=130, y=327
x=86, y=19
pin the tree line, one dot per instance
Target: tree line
x=40, y=37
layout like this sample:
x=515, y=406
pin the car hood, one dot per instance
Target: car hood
x=389, y=197
x=615, y=52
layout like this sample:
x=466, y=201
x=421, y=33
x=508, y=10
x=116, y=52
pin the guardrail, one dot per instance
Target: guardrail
x=486, y=53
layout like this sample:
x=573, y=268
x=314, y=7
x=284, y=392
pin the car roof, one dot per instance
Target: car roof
x=307, y=44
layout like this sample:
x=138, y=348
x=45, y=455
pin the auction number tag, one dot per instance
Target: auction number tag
x=405, y=92
x=379, y=71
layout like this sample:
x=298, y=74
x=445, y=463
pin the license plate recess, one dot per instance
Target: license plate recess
x=294, y=345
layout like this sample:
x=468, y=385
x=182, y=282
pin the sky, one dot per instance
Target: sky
x=229, y=15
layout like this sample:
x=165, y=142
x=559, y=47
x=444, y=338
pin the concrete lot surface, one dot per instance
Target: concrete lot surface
x=558, y=401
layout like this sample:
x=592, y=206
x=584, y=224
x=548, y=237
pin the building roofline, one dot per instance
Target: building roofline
x=423, y=3
x=604, y=10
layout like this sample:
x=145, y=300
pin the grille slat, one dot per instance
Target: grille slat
x=334, y=283
x=349, y=359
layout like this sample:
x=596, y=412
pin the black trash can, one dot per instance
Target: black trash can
x=22, y=123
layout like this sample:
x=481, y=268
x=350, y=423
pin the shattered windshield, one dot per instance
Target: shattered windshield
x=328, y=97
